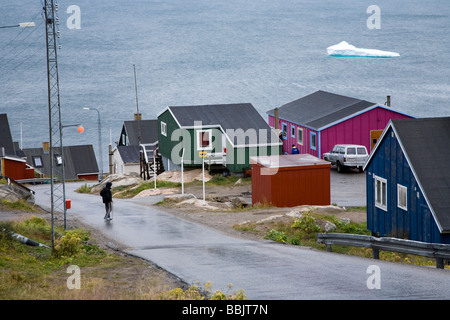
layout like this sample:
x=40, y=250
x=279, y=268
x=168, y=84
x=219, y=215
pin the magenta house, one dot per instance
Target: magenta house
x=317, y=122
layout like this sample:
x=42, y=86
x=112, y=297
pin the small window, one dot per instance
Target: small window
x=292, y=131
x=204, y=139
x=284, y=130
x=313, y=140
x=37, y=161
x=381, y=193
x=351, y=151
x=164, y=129
x=58, y=159
x=402, y=192
x=300, y=136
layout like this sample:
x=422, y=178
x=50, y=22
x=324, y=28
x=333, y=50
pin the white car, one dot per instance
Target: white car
x=347, y=155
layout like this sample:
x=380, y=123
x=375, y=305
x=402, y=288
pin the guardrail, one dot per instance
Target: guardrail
x=438, y=251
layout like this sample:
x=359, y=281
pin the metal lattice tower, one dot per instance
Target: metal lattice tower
x=58, y=203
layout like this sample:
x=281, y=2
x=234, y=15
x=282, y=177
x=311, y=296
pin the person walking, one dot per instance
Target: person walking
x=107, y=200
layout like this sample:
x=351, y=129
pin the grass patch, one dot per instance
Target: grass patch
x=219, y=180
x=84, y=189
x=30, y=273
x=20, y=205
x=302, y=231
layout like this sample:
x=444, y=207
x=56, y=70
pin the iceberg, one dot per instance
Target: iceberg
x=344, y=49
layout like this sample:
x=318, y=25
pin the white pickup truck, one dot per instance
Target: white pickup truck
x=347, y=155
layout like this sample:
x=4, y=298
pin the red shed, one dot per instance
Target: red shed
x=290, y=180
x=15, y=168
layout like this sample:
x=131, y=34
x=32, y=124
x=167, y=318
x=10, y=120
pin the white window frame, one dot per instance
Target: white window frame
x=379, y=203
x=199, y=140
x=313, y=146
x=37, y=161
x=299, y=136
x=164, y=128
x=405, y=194
x=284, y=128
x=58, y=159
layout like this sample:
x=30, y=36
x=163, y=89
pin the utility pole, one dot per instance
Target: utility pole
x=54, y=112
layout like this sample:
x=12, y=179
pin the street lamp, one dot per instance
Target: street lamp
x=80, y=130
x=99, y=142
x=20, y=25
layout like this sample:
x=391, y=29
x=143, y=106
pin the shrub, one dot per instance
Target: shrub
x=84, y=189
x=6, y=231
x=307, y=223
x=69, y=245
x=276, y=235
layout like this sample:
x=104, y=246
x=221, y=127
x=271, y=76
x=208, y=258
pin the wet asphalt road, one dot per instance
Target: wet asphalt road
x=263, y=269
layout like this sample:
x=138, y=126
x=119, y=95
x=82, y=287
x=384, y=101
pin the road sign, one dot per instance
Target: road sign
x=202, y=154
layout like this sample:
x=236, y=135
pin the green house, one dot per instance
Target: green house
x=224, y=135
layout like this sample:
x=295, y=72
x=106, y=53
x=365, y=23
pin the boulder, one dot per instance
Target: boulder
x=14, y=193
x=239, y=202
x=117, y=180
x=178, y=197
x=188, y=176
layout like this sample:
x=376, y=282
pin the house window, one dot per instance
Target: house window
x=292, y=131
x=380, y=193
x=313, y=140
x=164, y=129
x=204, y=139
x=284, y=130
x=37, y=161
x=58, y=159
x=402, y=192
x=300, y=136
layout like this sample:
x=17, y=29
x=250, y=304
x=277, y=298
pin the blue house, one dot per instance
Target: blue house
x=408, y=181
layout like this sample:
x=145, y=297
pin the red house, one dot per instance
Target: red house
x=316, y=122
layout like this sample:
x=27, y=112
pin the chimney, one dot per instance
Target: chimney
x=388, y=101
x=137, y=116
x=46, y=147
x=276, y=119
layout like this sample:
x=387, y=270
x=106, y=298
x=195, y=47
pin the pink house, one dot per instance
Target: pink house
x=316, y=122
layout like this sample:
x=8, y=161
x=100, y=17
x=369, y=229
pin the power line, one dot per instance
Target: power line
x=22, y=31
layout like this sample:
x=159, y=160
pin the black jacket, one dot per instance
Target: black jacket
x=106, y=193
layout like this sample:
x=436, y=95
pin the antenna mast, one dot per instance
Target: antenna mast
x=54, y=112
x=137, y=115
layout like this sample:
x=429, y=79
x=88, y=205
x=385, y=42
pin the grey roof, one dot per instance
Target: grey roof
x=78, y=160
x=6, y=140
x=426, y=143
x=129, y=154
x=320, y=109
x=228, y=116
x=148, y=131
x=83, y=159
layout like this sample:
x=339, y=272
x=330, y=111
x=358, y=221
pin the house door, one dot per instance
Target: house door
x=425, y=214
x=374, y=136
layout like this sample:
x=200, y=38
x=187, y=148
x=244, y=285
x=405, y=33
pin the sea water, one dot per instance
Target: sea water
x=189, y=52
